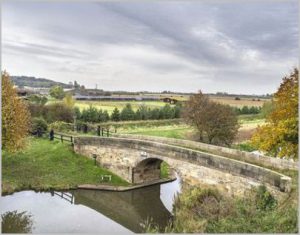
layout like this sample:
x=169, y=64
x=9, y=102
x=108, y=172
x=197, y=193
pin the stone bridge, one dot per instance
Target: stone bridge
x=138, y=161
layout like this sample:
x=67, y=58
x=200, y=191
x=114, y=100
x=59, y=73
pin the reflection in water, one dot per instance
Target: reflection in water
x=14, y=222
x=94, y=211
x=130, y=208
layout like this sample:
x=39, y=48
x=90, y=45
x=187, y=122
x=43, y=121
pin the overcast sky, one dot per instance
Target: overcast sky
x=236, y=47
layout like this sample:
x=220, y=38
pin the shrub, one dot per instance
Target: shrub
x=264, y=199
x=61, y=126
x=39, y=125
x=58, y=112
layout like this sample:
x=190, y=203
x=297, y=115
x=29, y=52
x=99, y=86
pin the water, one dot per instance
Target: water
x=88, y=211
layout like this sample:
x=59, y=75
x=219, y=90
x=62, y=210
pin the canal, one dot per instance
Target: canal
x=88, y=211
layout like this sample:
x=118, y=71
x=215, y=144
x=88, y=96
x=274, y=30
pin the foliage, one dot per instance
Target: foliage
x=218, y=122
x=38, y=124
x=164, y=170
x=90, y=114
x=142, y=113
x=245, y=147
x=37, y=99
x=279, y=137
x=267, y=109
x=46, y=165
x=264, y=199
x=61, y=126
x=127, y=113
x=14, y=222
x=205, y=210
x=36, y=110
x=247, y=110
x=69, y=100
x=57, y=112
x=15, y=117
x=115, y=116
x=57, y=92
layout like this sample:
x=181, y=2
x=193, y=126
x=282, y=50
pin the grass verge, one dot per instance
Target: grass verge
x=46, y=165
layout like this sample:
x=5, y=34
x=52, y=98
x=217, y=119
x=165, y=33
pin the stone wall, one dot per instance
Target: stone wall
x=121, y=155
x=223, y=151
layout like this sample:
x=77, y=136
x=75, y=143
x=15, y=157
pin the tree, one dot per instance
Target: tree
x=266, y=109
x=127, y=113
x=142, y=113
x=115, y=116
x=90, y=115
x=167, y=112
x=17, y=222
x=39, y=125
x=279, y=137
x=57, y=112
x=57, y=92
x=194, y=112
x=15, y=117
x=69, y=100
x=154, y=114
x=105, y=116
x=221, y=124
x=37, y=99
x=217, y=122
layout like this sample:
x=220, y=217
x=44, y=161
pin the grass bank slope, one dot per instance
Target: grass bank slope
x=46, y=165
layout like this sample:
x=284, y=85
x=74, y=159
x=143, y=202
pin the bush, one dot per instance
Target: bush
x=58, y=112
x=39, y=125
x=264, y=199
x=245, y=147
x=36, y=110
x=61, y=126
x=205, y=210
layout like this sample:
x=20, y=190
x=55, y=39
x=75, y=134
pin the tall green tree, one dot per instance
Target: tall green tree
x=15, y=117
x=115, y=116
x=279, y=137
x=127, y=113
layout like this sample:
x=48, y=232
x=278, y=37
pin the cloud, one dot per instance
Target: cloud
x=181, y=46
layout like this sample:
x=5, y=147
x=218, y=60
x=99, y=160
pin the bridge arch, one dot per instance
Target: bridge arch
x=148, y=169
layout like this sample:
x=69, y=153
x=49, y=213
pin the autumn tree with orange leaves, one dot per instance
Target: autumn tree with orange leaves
x=15, y=117
x=279, y=137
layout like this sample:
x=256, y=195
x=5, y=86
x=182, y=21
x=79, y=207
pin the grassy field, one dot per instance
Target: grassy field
x=181, y=131
x=238, y=103
x=110, y=105
x=46, y=165
x=248, y=125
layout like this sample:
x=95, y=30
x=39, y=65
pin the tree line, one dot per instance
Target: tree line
x=247, y=110
x=94, y=115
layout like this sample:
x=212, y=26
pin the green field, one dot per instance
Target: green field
x=169, y=131
x=110, y=105
x=184, y=131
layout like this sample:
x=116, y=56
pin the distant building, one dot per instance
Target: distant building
x=119, y=98
x=38, y=90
